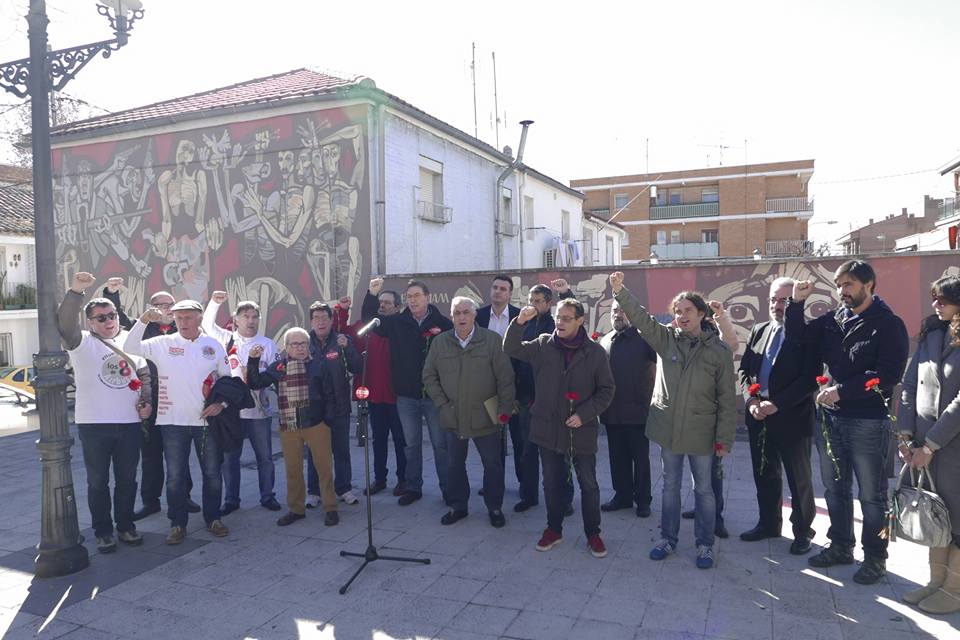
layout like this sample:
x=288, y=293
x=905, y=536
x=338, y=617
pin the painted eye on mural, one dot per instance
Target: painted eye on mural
x=817, y=305
x=742, y=309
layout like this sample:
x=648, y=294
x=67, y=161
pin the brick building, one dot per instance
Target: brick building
x=898, y=232
x=708, y=213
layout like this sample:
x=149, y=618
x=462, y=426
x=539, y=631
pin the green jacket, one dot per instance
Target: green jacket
x=694, y=398
x=459, y=379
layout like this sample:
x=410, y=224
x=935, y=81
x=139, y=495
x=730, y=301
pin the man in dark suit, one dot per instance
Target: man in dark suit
x=780, y=420
x=496, y=317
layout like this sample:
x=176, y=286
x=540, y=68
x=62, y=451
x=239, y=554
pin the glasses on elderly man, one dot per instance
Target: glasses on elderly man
x=103, y=317
x=775, y=300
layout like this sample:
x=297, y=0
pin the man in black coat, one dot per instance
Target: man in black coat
x=634, y=366
x=780, y=422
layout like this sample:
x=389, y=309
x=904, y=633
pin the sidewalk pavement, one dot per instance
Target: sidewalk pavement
x=270, y=583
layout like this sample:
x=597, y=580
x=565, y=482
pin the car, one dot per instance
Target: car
x=17, y=380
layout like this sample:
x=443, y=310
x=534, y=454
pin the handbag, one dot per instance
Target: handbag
x=920, y=516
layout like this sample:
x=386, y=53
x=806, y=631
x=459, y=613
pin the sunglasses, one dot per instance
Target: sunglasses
x=103, y=317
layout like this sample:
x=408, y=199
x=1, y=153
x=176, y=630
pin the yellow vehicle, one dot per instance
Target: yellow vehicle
x=17, y=381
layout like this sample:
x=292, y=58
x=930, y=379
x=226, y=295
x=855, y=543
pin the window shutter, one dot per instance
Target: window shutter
x=426, y=185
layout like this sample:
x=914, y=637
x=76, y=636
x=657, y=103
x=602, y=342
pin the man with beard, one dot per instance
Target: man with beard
x=860, y=342
x=780, y=422
x=634, y=366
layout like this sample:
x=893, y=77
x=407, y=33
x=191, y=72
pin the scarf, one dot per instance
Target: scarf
x=294, y=393
x=569, y=346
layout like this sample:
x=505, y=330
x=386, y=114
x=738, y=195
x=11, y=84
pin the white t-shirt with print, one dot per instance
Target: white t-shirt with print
x=102, y=379
x=182, y=368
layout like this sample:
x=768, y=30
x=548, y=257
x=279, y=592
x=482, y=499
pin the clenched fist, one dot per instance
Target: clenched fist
x=345, y=302
x=114, y=284
x=255, y=351
x=526, y=314
x=376, y=285
x=219, y=297
x=717, y=308
x=342, y=341
x=82, y=280
x=560, y=285
x=616, y=281
x=802, y=289
x=151, y=315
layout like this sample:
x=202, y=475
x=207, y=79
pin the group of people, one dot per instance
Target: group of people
x=536, y=377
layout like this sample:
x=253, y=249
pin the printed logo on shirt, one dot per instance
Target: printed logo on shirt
x=234, y=362
x=115, y=372
x=209, y=353
x=176, y=351
x=332, y=355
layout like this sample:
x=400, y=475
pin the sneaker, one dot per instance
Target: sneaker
x=348, y=497
x=331, y=518
x=871, y=570
x=106, y=544
x=549, y=540
x=831, y=555
x=313, y=501
x=218, y=529
x=176, y=535
x=662, y=550
x=597, y=548
x=131, y=537
x=375, y=488
x=704, y=557
x=289, y=518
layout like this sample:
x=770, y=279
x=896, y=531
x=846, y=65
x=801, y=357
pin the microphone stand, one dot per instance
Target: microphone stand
x=371, y=554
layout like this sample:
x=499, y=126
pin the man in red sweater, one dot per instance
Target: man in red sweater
x=384, y=419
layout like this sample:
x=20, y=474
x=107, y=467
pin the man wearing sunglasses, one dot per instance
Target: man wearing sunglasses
x=113, y=395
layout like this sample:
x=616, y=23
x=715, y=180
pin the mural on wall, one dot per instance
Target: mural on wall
x=273, y=210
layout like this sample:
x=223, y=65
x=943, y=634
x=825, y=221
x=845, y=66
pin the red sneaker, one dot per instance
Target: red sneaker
x=597, y=548
x=549, y=540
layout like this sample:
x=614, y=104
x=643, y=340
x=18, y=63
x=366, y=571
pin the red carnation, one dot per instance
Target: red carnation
x=281, y=367
x=871, y=383
x=573, y=396
x=504, y=418
x=233, y=350
x=754, y=390
x=164, y=328
x=337, y=307
x=435, y=330
x=135, y=384
x=822, y=380
x=717, y=447
x=594, y=336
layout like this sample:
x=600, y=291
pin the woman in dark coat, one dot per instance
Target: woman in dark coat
x=929, y=424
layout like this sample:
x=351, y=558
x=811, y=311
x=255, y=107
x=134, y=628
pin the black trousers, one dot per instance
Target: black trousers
x=629, y=452
x=784, y=447
x=556, y=478
x=458, y=486
x=518, y=440
x=152, y=478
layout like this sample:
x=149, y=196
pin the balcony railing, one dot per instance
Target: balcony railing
x=434, y=212
x=784, y=205
x=949, y=208
x=18, y=295
x=506, y=228
x=600, y=213
x=698, y=210
x=688, y=250
x=788, y=248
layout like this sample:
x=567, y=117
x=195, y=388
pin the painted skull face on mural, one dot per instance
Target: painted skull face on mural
x=186, y=152
x=330, y=156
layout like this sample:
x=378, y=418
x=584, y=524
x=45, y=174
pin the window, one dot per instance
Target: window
x=565, y=225
x=19, y=375
x=675, y=236
x=676, y=196
x=587, y=246
x=6, y=349
x=506, y=204
x=431, y=180
x=528, y=220
x=620, y=201
x=661, y=237
x=661, y=197
x=710, y=235
x=710, y=194
x=611, y=256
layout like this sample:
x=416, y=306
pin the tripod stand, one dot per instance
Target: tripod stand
x=371, y=554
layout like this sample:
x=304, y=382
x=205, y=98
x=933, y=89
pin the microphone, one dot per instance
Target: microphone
x=370, y=326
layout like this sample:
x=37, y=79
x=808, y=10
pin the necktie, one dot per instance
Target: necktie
x=769, y=357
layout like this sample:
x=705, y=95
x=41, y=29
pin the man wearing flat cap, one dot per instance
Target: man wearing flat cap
x=188, y=363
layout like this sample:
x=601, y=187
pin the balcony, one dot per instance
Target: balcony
x=948, y=208
x=18, y=295
x=789, y=205
x=434, y=212
x=788, y=248
x=686, y=250
x=698, y=210
x=507, y=228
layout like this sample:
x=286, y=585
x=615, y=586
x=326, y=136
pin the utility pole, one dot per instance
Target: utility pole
x=496, y=105
x=473, y=73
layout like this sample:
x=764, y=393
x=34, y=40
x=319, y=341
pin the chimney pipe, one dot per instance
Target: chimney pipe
x=498, y=195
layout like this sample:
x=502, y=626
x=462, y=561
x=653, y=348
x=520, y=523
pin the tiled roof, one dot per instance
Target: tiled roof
x=16, y=210
x=10, y=174
x=282, y=86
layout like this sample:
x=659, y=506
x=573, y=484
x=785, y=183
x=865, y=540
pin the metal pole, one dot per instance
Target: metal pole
x=59, y=552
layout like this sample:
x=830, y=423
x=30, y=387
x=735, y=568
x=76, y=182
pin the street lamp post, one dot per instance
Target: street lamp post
x=60, y=551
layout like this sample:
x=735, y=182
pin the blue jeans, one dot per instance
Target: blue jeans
x=705, y=511
x=257, y=431
x=176, y=452
x=103, y=444
x=860, y=447
x=413, y=411
x=384, y=423
x=342, y=470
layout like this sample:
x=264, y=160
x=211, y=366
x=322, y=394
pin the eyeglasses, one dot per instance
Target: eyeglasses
x=941, y=301
x=163, y=305
x=103, y=317
x=297, y=344
x=775, y=300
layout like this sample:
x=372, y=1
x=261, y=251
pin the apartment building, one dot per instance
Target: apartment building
x=708, y=213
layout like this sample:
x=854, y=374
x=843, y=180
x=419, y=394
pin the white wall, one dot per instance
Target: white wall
x=23, y=271
x=469, y=181
x=548, y=203
x=22, y=327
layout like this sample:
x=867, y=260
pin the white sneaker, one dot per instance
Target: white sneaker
x=313, y=501
x=348, y=497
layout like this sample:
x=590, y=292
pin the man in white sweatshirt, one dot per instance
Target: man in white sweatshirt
x=188, y=363
x=258, y=420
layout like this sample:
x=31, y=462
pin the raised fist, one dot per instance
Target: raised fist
x=151, y=315
x=560, y=285
x=219, y=297
x=82, y=280
x=717, y=307
x=114, y=284
x=345, y=302
x=616, y=281
x=376, y=285
x=526, y=314
x=342, y=341
x=802, y=289
x=255, y=351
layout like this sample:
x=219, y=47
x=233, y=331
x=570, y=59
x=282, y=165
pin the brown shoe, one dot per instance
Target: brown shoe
x=331, y=518
x=218, y=529
x=398, y=490
x=176, y=535
x=289, y=518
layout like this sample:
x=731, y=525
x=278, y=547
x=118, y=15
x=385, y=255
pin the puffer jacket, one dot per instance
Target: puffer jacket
x=460, y=379
x=694, y=398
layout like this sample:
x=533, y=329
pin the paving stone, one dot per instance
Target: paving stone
x=532, y=625
x=475, y=617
